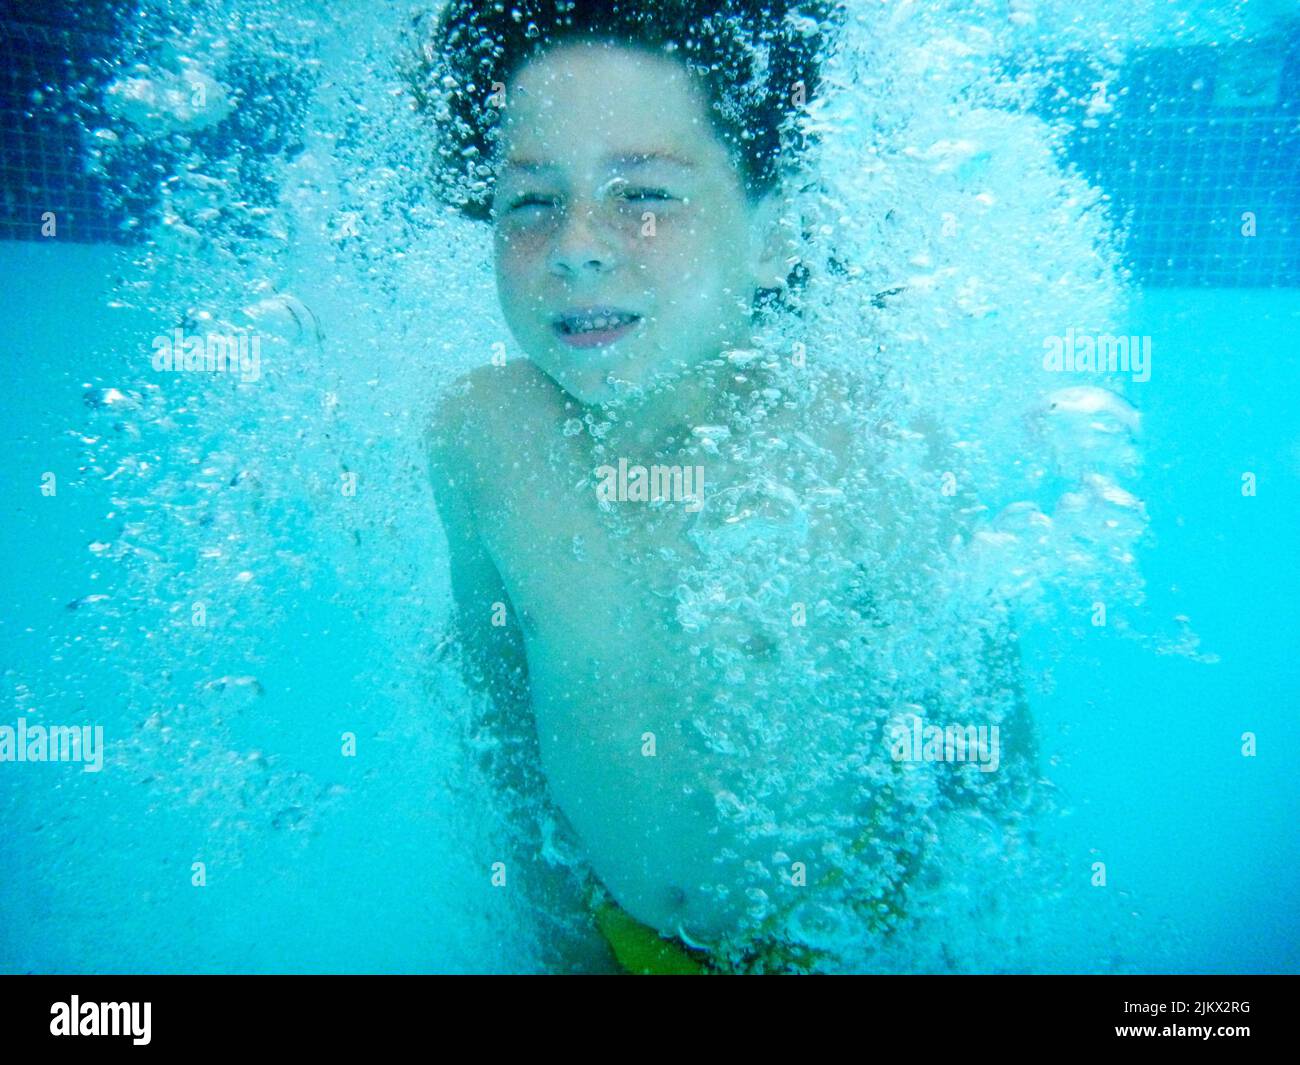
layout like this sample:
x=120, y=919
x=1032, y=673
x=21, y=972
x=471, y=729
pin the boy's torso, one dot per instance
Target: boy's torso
x=637, y=716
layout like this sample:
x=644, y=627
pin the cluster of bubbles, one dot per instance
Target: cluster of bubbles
x=947, y=243
x=264, y=527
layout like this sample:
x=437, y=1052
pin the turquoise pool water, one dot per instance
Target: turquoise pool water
x=324, y=616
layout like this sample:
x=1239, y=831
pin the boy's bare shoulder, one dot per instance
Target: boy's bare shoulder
x=489, y=405
x=830, y=414
x=845, y=414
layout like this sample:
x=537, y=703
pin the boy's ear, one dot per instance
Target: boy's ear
x=771, y=241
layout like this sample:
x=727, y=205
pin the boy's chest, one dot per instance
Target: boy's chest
x=643, y=594
x=585, y=576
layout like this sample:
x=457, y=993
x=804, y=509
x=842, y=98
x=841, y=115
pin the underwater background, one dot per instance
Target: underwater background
x=1123, y=149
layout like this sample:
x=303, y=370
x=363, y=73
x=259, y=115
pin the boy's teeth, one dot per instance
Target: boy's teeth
x=604, y=321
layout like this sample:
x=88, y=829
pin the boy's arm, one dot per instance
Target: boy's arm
x=494, y=664
x=492, y=657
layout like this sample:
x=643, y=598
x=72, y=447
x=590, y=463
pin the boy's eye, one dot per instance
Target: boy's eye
x=641, y=195
x=531, y=199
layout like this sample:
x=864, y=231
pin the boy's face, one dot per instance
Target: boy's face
x=626, y=249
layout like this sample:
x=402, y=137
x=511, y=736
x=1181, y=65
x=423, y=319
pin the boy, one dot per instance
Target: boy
x=681, y=675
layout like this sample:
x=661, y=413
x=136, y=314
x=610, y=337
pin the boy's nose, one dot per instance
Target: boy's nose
x=581, y=245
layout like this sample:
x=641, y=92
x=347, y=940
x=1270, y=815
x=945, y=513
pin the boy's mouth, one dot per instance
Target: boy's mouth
x=592, y=327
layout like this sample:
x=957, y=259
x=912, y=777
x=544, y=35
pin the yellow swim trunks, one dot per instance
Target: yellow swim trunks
x=642, y=951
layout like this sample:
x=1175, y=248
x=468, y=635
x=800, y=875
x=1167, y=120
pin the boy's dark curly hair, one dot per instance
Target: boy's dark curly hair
x=757, y=62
